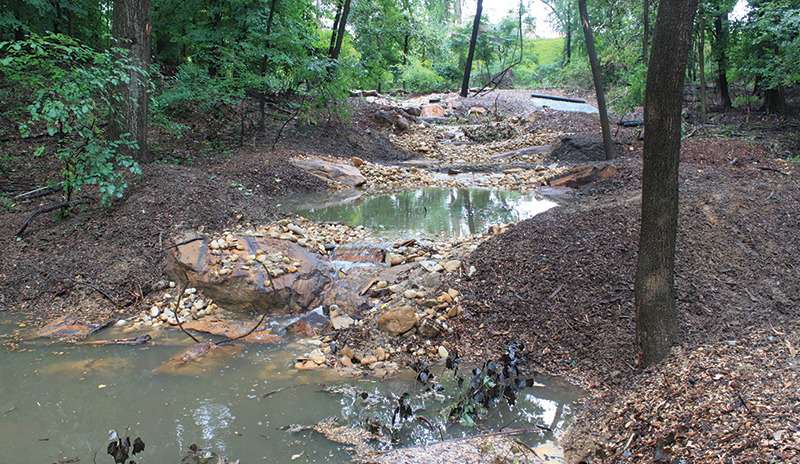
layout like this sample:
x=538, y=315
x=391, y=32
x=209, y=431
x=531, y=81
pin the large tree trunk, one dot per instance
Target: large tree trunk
x=131, y=30
x=701, y=55
x=646, y=32
x=267, y=45
x=654, y=293
x=473, y=40
x=608, y=144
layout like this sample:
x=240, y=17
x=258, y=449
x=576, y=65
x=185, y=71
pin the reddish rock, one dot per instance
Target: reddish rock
x=248, y=288
x=233, y=329
x=583, y=175
x=66, y=327
x=431, y=111
x=331, y=170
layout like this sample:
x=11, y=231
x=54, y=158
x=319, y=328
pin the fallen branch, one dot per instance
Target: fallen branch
x=202, y=237
x=47, y=209
x=40, y=192
x=121, y=341
x=93, y=287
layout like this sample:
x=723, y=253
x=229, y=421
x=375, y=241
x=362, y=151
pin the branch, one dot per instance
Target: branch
x=47, y=209
x=78, y=282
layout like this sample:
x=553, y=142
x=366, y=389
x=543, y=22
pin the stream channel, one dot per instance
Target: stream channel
x=58, y=401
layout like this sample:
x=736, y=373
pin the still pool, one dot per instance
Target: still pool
x=434, y=212
x=58, y=401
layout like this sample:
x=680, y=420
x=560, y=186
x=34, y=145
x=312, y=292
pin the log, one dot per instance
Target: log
x=563, y=99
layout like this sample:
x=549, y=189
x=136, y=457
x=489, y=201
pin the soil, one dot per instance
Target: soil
x=561, y=283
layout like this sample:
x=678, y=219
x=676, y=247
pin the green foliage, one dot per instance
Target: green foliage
x=418, y=78
x=769, y=49
x=73, y=89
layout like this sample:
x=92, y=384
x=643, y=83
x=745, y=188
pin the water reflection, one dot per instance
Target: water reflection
x=426, y=212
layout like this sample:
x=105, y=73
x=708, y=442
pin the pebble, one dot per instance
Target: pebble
x=380, y=353
x=443, y=352
x=154, y=311
x=346, y=361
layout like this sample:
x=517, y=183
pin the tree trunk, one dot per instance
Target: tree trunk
x=654, y=293
x=458, y=12
x=335, y=29
x=608, y=144
x=775, y=100
x=568, y=42
x=701, y=55
x=131, y=30
x=340, y=30
x=722, y=33
x=472, y=41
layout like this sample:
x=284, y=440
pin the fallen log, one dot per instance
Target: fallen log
x=140, y=340
x=563, y=99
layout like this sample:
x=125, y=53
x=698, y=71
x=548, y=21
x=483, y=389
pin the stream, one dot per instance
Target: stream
x=58, y=401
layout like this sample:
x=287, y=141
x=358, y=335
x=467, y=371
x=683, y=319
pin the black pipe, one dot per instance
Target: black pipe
x=563, y=99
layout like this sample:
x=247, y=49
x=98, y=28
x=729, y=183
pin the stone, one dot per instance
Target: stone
x=346, y=361
x=432, y=110
x=248, y=289
x=479, y=110
x=452, y=292
x=397, y=259
x=442, y=351
x=410, y=294
x=67, y=327
x=331, y=170
x=316, y=356
x=429, y=329
x=445, y=298
x=452, y=265
x=357, y=162
x=234, y=329
x=398, y=320
x=380, y=353
x=431, y=266
x=369, y=360
x=342, y=322
x=154, y=311
x=347, y=351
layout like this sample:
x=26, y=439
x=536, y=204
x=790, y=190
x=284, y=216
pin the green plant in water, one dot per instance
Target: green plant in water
x=73, y=91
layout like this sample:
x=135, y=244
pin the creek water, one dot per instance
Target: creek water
x=432, y=212
x=58, y=401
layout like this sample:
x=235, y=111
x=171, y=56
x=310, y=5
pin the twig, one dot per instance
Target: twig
x=47, y=209
x=284, y=388
x=93, y=287
x=525, y=445
x=39, y=192
x=178, y=317
x=280, y=132
x=120, y=341
x=68, y=460
x=202, y=237
x=263, y=316
x=765, y=168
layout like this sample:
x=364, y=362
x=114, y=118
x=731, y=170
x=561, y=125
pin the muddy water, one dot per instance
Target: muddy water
x=426, y=212
x=58, y=402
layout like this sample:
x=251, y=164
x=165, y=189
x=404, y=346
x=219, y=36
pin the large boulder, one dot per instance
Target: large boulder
x=583, y=175
x=331, y=170
x=398, y=320
x=234, y=274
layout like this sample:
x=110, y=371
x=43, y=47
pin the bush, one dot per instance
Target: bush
x=73, y=89
x=418, y=78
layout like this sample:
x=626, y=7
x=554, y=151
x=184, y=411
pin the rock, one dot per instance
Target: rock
x=316, y=356
x=309, y=324
x=429, y=329
x=479, y=110
x=452, y=265
x=443, y=352
x=200, y=357
x=410, y=294
x=431, y=111
x=398, y=121
x=67, y=327
x=154, y=311
x=369, y=360
x=431, y=266
x=380, y=353
x=342, y=322
x=306, y=365
x=398, y=320
x=233, y=329
x=347, y=351
x=357, y=162
x=247, y=288
x=296, y=229
x=346, y=361
x=583, y=175
x=397, y=259
x=331, y=171
x=452, y=292
x=445, y=298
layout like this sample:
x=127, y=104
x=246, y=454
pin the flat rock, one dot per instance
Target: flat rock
x=583, y=175
x=432, y=110
x=66, y=327
x=331, y=170
x=248, y=288
x=233, y=329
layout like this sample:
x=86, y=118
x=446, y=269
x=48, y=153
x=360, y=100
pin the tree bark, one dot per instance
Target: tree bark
x=654, y=292
x=646, y=32
x=267, y=45
x=472, y=41
x=608, y=144
x=340, y=30
x=131, y=30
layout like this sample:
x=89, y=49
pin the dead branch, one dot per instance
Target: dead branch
x=93, y=287
x=40, y=192
x=202, y=237
x=47, y=209
x=454, y=440
x=120, y=341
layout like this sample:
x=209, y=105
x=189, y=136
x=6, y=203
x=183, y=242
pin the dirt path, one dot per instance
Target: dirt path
x=561, y=283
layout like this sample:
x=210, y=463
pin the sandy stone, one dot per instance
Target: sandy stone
x=398, y=320
x=380, y=353
x=346, y=361
x=443, y=352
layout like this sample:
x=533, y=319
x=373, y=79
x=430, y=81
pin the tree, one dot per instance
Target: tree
x=608, y=144
x=131, y=29
x=654, y=292
x=468, y=68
